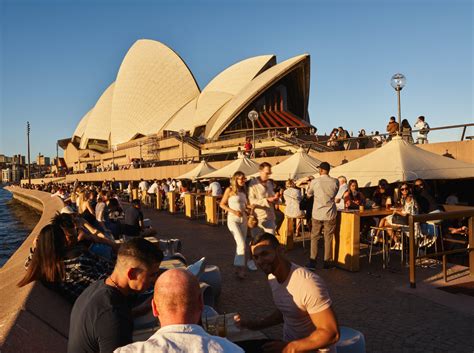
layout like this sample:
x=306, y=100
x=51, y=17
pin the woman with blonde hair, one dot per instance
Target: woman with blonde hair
x=235, y=203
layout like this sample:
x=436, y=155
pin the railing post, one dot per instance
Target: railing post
x=471, y=244
x=411, y=238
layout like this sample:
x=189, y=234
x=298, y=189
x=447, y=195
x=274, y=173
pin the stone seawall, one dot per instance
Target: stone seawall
x=32, y=318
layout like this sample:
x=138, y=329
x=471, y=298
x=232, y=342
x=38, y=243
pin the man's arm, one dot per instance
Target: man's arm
x=327, y=333
x=273, y=319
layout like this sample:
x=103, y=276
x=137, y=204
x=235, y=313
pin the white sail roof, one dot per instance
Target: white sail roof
x=242, y=164
x=399, y=161
x=201, y=169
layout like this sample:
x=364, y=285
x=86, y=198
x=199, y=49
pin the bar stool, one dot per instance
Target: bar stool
x=385, y=252
x=301, y=218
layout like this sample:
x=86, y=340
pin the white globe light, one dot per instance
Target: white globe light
x=398, y=81
x=253, y=115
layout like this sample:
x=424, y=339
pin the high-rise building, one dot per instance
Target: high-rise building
x=42, y=160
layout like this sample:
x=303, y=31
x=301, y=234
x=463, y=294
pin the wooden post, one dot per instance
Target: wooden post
x=159, y=200
x=189, y=205
x=471, y=244
x=411, y=239
x=171, y=202
x=346, y=242
x=211, y=209
x=135, y=194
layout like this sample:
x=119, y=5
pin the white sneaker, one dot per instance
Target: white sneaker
x=251, y=265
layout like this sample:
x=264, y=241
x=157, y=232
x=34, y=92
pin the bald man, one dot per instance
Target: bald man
x=177, y=303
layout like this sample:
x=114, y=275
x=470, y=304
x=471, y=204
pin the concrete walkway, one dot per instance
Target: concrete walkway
x=376, y=302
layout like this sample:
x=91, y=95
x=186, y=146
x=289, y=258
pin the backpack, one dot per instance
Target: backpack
x=425, y=129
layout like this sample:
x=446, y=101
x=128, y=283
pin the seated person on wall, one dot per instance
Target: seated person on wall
x=101, y=319
x=63, y=263
x=302, y=302
x=399, y=216
x=178, y=304
x=353, y=198
x=133, y=224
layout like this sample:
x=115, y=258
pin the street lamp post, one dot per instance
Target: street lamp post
x=253, y=117
x=182, y=133
x=398, y=81
x=28, y=143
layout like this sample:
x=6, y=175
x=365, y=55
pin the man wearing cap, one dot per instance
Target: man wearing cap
x=324, y=214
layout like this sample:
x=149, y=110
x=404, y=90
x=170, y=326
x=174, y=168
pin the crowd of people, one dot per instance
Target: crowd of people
x=341, y=139
x=78, y=256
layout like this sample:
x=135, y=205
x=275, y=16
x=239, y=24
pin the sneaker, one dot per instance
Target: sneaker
x=311, y=265
x=251, y=265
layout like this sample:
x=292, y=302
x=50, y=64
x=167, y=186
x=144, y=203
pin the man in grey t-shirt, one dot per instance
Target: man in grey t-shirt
x=324, y=215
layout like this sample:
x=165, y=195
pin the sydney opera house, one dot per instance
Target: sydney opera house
x=155, y=109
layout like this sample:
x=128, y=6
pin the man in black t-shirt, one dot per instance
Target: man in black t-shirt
x=101, y=318
x=133, y=220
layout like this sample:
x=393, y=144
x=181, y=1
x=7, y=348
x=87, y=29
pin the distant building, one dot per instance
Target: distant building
x=18, y=159
x=42, y=160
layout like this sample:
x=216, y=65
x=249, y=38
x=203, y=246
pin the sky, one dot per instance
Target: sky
x=57, y=57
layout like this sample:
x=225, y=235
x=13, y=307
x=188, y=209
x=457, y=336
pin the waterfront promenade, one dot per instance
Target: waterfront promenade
x=378, y=303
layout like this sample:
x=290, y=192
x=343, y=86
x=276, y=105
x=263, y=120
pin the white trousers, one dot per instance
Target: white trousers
x=239, y=232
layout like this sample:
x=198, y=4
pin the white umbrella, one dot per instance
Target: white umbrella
x=299, y=165
x=399, y=161
x=201, y=169
x=242, y=164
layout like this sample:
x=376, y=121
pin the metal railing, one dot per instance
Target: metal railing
x=413, y=246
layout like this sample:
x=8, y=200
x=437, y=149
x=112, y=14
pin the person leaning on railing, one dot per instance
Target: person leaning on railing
x=62, y=262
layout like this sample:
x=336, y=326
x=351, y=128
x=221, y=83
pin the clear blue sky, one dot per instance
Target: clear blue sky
x=57, y=57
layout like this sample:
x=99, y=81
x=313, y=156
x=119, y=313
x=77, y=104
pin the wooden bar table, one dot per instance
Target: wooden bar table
x=285, y=231
x=189, y=204
x=171, y=202
x=346, y=243
x=135, y=194
x=210, y=202
x=159, y=200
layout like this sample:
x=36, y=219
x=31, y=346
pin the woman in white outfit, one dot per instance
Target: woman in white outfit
x=293, y=197
x=235, y=203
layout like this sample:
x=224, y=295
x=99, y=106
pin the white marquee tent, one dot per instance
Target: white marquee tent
x=299, y=165
x=399, y=161
x=201, y=169
x=242, y=164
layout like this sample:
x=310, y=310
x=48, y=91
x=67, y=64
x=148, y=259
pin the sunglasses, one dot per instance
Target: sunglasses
x=404, y=189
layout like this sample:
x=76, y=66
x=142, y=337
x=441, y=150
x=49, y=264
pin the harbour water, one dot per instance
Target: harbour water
x=16, y=223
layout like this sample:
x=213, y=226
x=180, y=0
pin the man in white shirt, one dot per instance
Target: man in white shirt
x=177, y=303
x=301, y=299
x=215, y=189
x=152, y=191
x=340, y=193
x=262, y=195
x=143, y=185
x=423, y=130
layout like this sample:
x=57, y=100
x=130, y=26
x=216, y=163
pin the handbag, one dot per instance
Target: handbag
x=399, y=219
x=252, y=221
